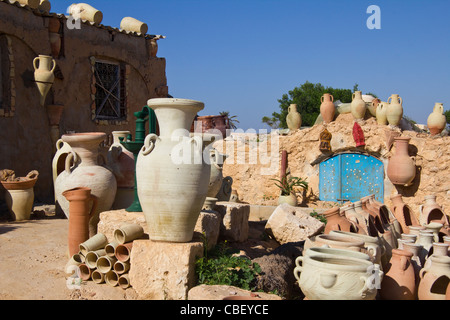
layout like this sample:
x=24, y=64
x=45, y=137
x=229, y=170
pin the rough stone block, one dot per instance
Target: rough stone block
x=114, y=219
x=292, y=224
x=234, y=226
x=163, y=270
x=208, y=225
x=218, y=292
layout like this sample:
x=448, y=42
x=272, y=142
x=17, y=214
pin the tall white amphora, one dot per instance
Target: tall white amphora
x=171, y=172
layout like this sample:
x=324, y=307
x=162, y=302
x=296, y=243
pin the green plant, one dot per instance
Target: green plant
x=287, y=184
x=232, y=120
x=222, y=268
x=318, y=216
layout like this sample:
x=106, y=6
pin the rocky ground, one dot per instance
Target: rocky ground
x=33, y=255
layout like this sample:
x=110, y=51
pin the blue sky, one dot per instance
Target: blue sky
x=241, y=56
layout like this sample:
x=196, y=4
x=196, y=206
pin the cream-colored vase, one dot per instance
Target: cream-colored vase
x=63, y=149
x=394, y=112
x=85, y=11
x=293, y=119
x=133, y=25
x=172, y=176
x=215, y=181
x=381, y=113
x=358, y=106
x=434, y=279
x=436, y=120
x=43, y=75
x=327, y=277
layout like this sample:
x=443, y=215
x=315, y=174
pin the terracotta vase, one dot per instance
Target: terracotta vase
x=403, y=213
x=358, y=220
x=293, y=119
x=133, y=25
x=81, y=206
x=381, y=113
x=87, y=173
x=336, y=220
x=327, y=108
x=122, y=164
x=19, y=197
x=372, y=106
x=436, y=120
x=172, y=202
x=401, y=168
x=432, y=211
x=43, y=75
x=416, y=260
x=394, y=111
x=399, y=279
x=435, y=279
x=358, y=106
x=123, y=251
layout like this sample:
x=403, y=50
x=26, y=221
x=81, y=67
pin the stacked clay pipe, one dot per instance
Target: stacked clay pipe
x=106, y=262
x=368, y=251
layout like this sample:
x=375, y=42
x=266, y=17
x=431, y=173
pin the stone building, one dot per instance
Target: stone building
x=102, y=76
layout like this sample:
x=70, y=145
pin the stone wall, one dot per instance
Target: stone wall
x=255, y=186
x=25, y=138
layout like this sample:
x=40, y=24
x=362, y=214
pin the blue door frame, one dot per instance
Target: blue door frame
x=351, y=176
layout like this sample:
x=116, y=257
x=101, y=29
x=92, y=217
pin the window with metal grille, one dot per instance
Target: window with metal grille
x=110, y=94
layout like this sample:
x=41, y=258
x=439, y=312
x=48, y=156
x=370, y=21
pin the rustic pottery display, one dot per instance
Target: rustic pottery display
x=358, y=135
x=328, y=277
x=43, y=75
x=293, y=119
x=122, y=164
x=435, y=279
x=403, y=213
x=437, y=121
x=85, y=11
x=19, y=195
x=432, y=211
x=381, y=113
x=358, y=106
x=336, y=220
x=394, y=111
x=401, y=168
x=88, y=173
x=399, y=279
x=81, y=206
x=327, y=108
x=172, y=202
x=133, y=25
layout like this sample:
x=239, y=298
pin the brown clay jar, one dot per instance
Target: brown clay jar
x=399, y=280
x=81, y=206
x=327, y=108
x=401, y=168
x=337, y=221
x=403, y=213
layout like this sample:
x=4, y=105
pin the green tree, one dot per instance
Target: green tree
x=447, y=115
x=307, y=98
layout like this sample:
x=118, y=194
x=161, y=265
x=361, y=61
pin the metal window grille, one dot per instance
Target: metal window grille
x=110, y=95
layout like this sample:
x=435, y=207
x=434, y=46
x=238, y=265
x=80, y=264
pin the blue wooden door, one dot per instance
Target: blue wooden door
x=351, y=176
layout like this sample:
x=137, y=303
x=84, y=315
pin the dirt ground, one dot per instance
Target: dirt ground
x=33, y=255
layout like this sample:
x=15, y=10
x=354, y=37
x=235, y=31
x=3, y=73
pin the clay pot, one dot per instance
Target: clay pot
x=45, y=6
x=171, y=205
x=97, y=277
x=133, y=25
x=112, y=278
x=81, y=206
x=333, y=252
x=328, y=277
x=85, y=272
x=399, y=279
x=357, y=219
x=216, y=177
x=439, y=249
x=358, y=106
x=63, y=149
x=334, y=241
x=124, y=281
x=123, y=251
x=403, y=213
x=401, y=168
x=436, y=120
x=55, y=43
x=43, y=75
x=416, y=260
x=290, y=200
x=128, y=232
x=425, y=239
x=394, y=112
x=121, y=267
x=293, y=119
x=19, y=197
x=110, y=248
x=88, y=173
x=122, y=164
x=372, y=105
x=327, y=108
x=93, y=256
x=105, y=263
x=381, y=113
x=84, y=11
x=435, y=279
x=432, y=211
x=97, y=242
x=33, y=4
x=337, y=221
x=434, y=227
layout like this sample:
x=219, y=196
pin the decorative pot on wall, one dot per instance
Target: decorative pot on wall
x=401, y=168
x=436, y=120
x=122, y=164
x=358, y=106
x=381, y=113
x=293, y=119
x=19, y=196
x=88, y=173
x=85, y=11
x=394, y=111
x=327, y=108
x=133, y=25
x=172, y=176
x=43, y=75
